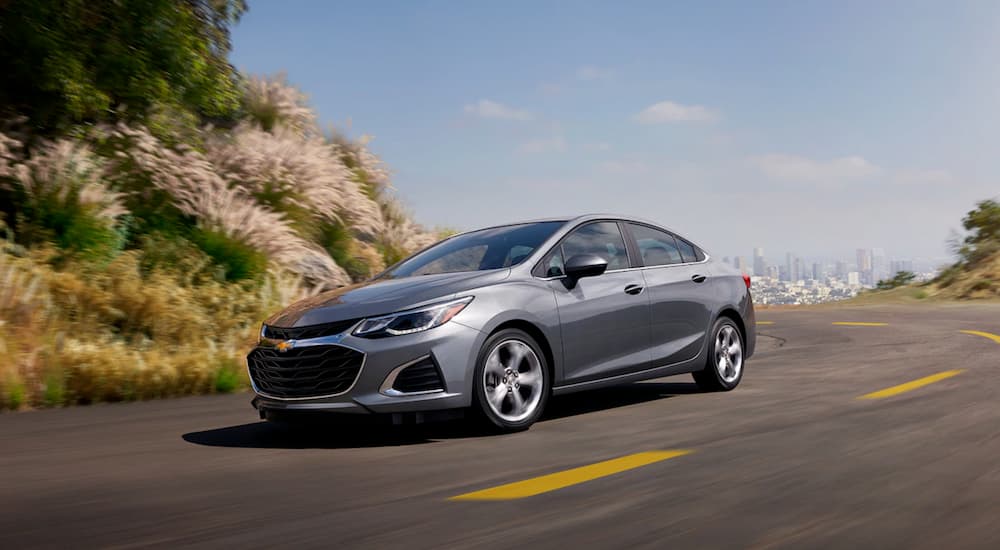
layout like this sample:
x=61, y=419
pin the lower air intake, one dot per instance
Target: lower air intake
x=419, y=377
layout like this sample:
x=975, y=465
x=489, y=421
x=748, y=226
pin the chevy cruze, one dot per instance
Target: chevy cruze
x=499, y=319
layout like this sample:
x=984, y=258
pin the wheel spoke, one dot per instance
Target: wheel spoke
x=497, y=396
x=494, y=367
x=518, y=401
x=517, y=352
x=529, y=378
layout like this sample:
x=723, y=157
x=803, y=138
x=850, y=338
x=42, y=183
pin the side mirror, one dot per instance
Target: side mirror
x=585, y=265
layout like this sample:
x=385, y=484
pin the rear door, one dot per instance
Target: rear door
x=676, y=280
x=604, y=319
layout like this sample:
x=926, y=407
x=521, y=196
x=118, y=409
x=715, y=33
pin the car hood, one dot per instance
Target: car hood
x=381, y=296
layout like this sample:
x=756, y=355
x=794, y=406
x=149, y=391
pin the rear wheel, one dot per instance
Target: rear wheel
x=724, y=364
x=511, y=384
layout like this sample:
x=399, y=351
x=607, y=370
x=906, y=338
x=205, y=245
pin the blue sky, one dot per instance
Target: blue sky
x=812, y=127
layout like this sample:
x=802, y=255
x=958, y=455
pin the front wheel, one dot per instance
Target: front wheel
x=724, y=365
x=511, y=384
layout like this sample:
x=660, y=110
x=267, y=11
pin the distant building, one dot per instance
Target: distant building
x=759, y=264
x=789, y=267
x=900, y=265
x=799, y=272
x=773, y=272
x=817, y=272
x=853, y=278
x=741, y=264
x=865, y=266
x=840, y=270
x=880, y=268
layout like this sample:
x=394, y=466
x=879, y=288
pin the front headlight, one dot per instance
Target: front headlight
x=410, y=321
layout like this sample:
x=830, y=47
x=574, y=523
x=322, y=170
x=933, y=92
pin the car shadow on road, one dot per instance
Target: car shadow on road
x=341, y=432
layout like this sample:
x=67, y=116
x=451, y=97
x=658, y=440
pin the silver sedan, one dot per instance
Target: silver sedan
x=497, y=320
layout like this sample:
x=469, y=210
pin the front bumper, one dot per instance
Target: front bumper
x=452, y=346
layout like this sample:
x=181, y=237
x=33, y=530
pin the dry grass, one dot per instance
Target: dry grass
x=83, y=335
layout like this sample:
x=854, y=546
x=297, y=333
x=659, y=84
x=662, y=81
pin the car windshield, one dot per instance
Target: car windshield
x=477, y=251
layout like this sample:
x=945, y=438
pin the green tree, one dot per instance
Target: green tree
x=71, y=61
x=901, y=278
x=983, y=225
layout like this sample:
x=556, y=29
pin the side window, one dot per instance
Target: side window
x=551, y=265
x=657, y=247
x=600, y=238
x=687, y=251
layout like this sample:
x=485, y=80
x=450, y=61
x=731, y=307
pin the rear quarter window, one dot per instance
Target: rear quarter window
x=688, y=253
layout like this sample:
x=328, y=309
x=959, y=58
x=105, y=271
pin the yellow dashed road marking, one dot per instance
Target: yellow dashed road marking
x=559, y=480
x=910, y=386
x=858, y=324
x=765, y=322
x=993, y=337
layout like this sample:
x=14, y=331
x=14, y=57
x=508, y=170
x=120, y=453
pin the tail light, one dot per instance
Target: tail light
x=746, y=280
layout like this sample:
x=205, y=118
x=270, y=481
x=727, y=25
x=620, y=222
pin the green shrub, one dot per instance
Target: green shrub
x=237, y=260
x=15, y=395
x=227, y=377
x=341, y=246
x=902, y=278
x=982, y=284
x=54, y=393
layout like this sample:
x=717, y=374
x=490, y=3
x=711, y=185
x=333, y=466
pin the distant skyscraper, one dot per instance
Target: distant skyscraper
x=864, y=266
x=841, y=270
x=900, y=265
x=817, y=272
x=800, y=270
x=741, y=264
x=880, y=270
x=759, y=265
x=773, y=272
x=790, y=267
x=853, y=278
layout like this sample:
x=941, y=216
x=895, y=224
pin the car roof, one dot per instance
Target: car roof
x=576, y=220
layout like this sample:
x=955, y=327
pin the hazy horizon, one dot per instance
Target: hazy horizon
x=816, y=129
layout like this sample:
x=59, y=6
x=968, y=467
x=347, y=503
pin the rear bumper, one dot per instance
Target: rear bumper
x=750, y=322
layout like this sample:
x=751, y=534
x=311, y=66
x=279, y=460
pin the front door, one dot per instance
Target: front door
x=605, y=319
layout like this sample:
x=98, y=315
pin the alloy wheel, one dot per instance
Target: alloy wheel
x=513, y=379
x=728, y=354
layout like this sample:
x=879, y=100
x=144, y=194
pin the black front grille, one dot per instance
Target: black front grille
x=422, y=376
x=311, y=331
x=304, y=372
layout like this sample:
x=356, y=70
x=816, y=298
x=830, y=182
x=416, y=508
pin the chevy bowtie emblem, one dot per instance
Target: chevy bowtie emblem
x=285, y=345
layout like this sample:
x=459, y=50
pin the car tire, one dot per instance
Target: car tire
x=724, y=364
x=511, y=382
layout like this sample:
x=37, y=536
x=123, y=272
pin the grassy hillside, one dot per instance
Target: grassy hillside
x=146, y=231
x=976, y=274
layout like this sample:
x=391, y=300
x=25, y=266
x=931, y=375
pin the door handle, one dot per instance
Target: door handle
x=698, y=278
x=634, y=289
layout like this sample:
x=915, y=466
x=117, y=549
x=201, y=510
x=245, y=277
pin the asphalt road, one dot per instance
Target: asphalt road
x=791, y=459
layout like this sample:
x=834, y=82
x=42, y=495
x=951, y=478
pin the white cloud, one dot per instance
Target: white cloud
x=544, y=145
x=923, y=177
x=591, y=72
x=669, y=111
x=802, y=169
x=484, y=108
